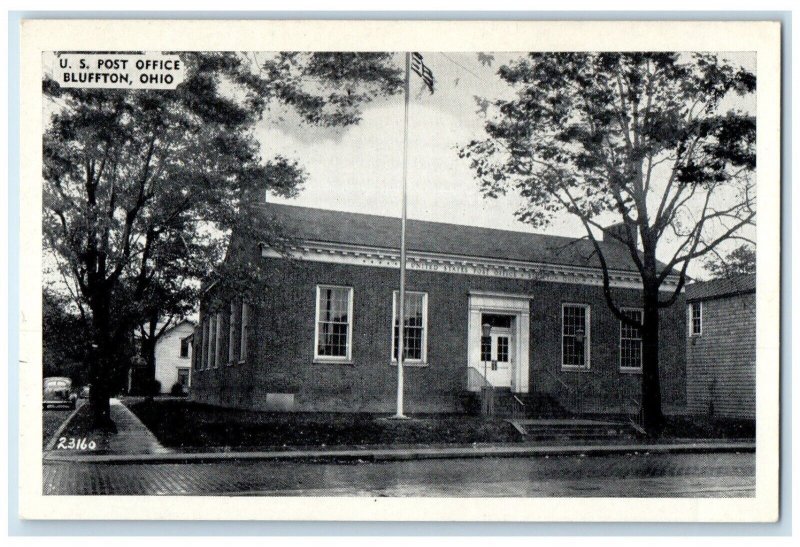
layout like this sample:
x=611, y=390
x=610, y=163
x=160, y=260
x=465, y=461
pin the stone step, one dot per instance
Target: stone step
x=572, y=429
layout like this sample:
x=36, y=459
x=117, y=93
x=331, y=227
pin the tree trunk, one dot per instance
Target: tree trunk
x=101, y=364
x=652, y=417
x=147, y=376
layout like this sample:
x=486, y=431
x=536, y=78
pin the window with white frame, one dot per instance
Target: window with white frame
x=334, y=323
x=630, y=341
x=415, y=332
x=575, y=341
x=696, y=318
x=244, y=329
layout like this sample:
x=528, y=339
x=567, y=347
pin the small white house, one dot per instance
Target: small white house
x=174, y=356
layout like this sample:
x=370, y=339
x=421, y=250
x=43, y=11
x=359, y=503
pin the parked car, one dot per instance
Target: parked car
x=57, y=391
x=85, y=390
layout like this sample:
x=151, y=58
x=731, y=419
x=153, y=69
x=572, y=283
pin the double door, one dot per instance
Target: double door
x=497, y=357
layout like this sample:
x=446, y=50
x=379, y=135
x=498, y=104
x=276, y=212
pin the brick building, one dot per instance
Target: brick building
x=721, y=347
x=322, y=337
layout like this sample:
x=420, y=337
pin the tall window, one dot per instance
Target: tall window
x=575, y=341
x=218, y=341
x=185, y=348
x=232, y=334
x=245, y=327
x=210, y=338
x=696, y=318
x=630, y=342
x=416, y=327
x=334, y=328
x=197, y=347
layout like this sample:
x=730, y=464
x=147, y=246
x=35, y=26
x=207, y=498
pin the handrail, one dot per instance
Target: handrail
x=517, y=408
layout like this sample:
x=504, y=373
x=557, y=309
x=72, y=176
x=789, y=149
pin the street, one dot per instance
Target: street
x=52, y=418
x=642, y=475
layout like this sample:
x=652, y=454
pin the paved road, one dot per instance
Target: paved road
x=673, y=475
x=52, y=418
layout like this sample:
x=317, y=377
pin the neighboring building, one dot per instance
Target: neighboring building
x=174, y=356
x=721, y=347
x=321, y=336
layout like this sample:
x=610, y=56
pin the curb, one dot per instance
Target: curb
x=397, y=454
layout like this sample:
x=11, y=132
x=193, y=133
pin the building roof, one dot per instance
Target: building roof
x=178, y=324
x=339, y=227
x=726, y=286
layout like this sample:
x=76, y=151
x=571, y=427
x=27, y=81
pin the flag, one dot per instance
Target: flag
x=422, y=71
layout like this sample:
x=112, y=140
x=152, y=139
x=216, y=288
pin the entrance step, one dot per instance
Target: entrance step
x=572, y=429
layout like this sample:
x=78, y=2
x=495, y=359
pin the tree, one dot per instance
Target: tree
x=741, y=260
x=142, y=188
x=64, y=341
x=633, y=139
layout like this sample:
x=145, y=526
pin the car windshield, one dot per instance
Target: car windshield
x=55, y=383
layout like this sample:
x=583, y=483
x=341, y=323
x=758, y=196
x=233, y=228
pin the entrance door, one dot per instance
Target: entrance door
x=497, y=356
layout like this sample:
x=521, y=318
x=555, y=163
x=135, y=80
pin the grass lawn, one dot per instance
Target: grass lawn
x=187, y=425
x=695, y=427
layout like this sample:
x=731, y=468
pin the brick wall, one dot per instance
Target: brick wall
x=721, y=362
x=282, y=344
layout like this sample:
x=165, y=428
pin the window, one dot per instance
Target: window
x=696, y=318
x=245, y=326
x=486, y=349
x=185, y=348
x=210, y=338
x=415, y=329
x=630, y=342
x=232, y=334
x=502, y=349
x=197, y=348
x=218, y=340
x=183, y=377
x=334, y=327
x=575, y=341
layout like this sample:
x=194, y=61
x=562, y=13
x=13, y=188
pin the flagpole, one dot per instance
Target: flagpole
x=401, y=306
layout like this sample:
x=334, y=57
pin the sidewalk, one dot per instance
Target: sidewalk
x=134, y=443
x=131, y=439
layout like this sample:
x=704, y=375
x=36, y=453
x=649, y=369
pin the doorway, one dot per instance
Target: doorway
x=497, y=348
x=497, y=341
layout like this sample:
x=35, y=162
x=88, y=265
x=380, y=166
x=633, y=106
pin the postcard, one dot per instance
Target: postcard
x=400, y=270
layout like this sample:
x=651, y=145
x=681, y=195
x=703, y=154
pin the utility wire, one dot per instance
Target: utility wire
x=461, y=66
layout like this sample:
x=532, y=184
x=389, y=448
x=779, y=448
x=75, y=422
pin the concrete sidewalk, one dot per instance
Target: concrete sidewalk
x=131, y=439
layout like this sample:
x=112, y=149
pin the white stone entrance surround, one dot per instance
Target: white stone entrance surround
x=517, y=305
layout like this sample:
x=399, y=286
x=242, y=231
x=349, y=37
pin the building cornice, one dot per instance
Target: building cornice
x=378, y=257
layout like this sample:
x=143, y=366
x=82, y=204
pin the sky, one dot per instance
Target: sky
x=359, y=168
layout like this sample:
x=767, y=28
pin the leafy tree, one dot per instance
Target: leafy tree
x=142, y=188
x=633, y=139
x=65, y=344
x=741, y=260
